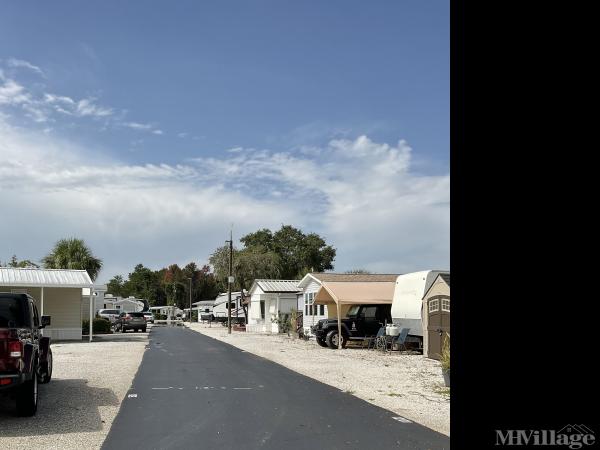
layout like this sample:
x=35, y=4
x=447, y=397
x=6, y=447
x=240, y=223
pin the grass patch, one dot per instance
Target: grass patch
x=350, y=392
x=394, y=394
x=442, y=390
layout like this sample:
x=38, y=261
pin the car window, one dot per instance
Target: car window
x=353, y=310
x=370, y=312
x=12, y=314
x=136, y=314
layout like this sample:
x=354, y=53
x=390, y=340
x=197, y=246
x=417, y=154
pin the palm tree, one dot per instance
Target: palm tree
x=72, y=253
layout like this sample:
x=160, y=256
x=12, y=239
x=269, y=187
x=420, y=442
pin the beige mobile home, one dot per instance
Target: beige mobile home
x=57, y=293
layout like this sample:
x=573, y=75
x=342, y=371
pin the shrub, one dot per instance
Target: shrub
x=445, y=355
x=160, y=317
x=101, y=326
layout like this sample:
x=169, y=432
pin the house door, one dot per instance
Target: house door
x=438, y=325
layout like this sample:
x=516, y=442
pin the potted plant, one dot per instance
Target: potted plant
x=445, y=360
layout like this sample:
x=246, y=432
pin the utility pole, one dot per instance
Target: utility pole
x=229, y=282
x=190, y=300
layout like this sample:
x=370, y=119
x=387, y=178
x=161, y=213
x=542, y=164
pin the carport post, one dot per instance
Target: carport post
x=339, y=317
x=91, y=312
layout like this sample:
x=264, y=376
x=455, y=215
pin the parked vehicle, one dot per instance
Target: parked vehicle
x=220, y=308
x=25, y=355
x=408, y=303
x=109, y=314
x=360, y=322
x=130, y=321
x=149, y=317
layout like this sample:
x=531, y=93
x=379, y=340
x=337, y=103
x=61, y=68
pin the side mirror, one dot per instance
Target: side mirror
x=45, y=321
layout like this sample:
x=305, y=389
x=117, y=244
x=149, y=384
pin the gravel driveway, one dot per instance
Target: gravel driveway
x=410, y=385
x=77, y=407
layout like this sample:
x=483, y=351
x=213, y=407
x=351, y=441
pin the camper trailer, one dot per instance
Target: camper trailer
x=408, y=301
x=220, y=308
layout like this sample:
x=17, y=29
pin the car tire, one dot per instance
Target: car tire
x=322, y=342
x=46, y=374
x=331, y=339
x=144, y=330
x=27, y=397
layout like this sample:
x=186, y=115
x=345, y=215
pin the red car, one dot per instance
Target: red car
x=25, y=355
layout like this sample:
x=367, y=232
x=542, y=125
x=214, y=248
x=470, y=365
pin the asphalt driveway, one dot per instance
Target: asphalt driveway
x=193, y=391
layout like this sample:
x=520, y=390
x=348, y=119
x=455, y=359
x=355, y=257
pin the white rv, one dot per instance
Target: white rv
x=237, y=311
x=408, y=301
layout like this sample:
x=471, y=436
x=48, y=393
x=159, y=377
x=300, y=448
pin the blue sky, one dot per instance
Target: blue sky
x=202, y=99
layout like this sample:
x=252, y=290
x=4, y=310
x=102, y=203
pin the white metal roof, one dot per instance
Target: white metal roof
x=277, y=285
x=33, y=277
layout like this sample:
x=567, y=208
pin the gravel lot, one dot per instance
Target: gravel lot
x=77, y=407
x=409, y=385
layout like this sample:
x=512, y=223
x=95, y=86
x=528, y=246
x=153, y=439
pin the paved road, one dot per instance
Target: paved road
x=192, y=391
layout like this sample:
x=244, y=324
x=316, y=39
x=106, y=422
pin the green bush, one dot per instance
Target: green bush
x=194, y=316
x=160, y=317
x=445, y=355
x=101, y=326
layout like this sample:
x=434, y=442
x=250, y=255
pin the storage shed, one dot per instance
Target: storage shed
x=436, y=316
x=57, y=293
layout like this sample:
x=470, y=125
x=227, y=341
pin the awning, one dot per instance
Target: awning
x=355, y=293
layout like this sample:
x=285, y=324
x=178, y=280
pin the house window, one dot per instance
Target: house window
x=322, y=309
x=446, y=304
x=262, y=309
x=434, y=305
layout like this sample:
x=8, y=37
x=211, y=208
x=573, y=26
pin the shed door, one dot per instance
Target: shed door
x=438, y=325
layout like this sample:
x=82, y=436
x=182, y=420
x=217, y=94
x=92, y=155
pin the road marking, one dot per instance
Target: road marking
x=241, y=388
x=401, y=419
x=163, y=388
x=132, y=396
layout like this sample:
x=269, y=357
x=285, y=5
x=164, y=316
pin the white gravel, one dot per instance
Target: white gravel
x=408, y=384
x=76, y=409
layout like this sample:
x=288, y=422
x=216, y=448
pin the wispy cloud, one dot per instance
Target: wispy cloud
x=142, y=127
x=35, y=102
x=19, y=63
x=360, y=194
x=12, y=93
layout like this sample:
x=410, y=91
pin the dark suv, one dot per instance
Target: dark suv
x=130, y=321
x=360, y=322
x=25, y=355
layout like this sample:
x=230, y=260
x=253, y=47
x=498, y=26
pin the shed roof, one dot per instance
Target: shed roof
x=348, y=277
x=275, y=286
x=357, y=293
x=34, y=277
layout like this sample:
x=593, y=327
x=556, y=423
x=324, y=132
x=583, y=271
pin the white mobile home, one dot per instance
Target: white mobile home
x=269, y=299
x=57, y=293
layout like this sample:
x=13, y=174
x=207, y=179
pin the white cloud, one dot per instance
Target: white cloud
x=360, y=195
x=143, y=127
x=86, y=107
x=19, y=63
x=12, y=93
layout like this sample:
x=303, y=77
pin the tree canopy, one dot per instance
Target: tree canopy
x=287, y=254
x=167, y=286
x=73, y=253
